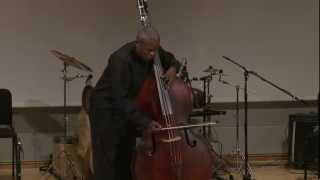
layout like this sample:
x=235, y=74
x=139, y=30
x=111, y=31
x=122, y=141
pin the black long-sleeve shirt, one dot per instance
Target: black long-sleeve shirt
x=121, y=81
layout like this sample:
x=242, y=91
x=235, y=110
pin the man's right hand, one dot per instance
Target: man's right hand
x=154, y=126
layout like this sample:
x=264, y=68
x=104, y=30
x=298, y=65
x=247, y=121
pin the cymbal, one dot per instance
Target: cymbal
x=210, y=69
x=71, y=61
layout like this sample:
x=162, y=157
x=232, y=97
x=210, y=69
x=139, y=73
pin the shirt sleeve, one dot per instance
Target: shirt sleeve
x=168, y=60
x=123, y=104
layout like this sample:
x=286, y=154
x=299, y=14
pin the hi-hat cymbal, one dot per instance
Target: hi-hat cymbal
x=71, y=61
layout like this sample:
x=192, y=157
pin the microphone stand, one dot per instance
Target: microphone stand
x=246, y=73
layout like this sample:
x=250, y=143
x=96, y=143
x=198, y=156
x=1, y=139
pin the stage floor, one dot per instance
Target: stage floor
x=260, y=173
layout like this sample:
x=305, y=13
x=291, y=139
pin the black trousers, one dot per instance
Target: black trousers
x=113, y=143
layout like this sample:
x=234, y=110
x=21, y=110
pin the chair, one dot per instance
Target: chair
x=7, y=129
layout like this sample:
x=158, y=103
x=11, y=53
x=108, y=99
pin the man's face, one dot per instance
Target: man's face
x=147, y=49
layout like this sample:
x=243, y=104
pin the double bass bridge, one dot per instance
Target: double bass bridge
x=170, y=140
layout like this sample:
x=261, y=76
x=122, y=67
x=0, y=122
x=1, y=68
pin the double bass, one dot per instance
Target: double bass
x=172, y=153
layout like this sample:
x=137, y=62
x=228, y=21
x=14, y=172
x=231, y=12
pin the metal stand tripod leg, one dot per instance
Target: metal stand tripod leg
x=238, y=157
x=207, y=132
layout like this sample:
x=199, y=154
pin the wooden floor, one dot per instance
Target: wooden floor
x=260, y=173
x=279, y=173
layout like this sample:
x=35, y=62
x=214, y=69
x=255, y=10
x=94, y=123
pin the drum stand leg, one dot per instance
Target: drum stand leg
x=62, y=164
x=238, y=157
x=240, y=163
x=221, y=164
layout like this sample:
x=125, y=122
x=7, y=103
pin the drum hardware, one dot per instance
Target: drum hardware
x=246, y=72
x=206, y=84
x=183, y=72
x=221, y=163
x=76, y=77
x=200, y=100
x=64, y=161
x=212, y=70
x=197, y=95
x=69, y=61
x=206, y=112
x=237, y=155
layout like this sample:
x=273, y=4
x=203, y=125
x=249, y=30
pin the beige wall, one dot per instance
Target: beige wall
x=278, y=38
x=267, y=129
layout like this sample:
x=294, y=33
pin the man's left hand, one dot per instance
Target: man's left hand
x=170, y=75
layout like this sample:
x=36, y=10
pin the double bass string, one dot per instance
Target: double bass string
x=167, y=108
x=164, y=108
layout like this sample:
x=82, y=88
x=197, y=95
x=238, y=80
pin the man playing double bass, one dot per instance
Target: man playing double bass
x=114, y=116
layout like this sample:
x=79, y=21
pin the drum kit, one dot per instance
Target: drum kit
x=202, y=105
x=202, y=101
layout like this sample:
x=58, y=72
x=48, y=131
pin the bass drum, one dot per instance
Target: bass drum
x=198, y=98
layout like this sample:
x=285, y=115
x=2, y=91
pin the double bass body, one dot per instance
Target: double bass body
x=175, y=154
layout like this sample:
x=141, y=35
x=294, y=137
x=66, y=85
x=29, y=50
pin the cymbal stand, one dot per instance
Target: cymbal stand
x=207, y=99
x=65, y=116
x=221, y=163
x=237, y=155
x=184, y=74
x=66, y=139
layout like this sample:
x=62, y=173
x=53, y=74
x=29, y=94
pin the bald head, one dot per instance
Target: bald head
x=147, y=34
x=147, y=43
